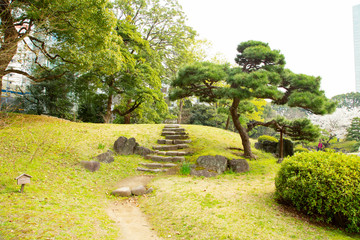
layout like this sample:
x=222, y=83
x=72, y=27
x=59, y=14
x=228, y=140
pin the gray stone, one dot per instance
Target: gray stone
x=143, y=151
x=239, y=165
x=139, y=190
x=90, y=165
x=124, y=146
x=106, y=157
x=216, y=163
x=288, y=148
x=202, y=172
x=122, y=192
x=150, y=190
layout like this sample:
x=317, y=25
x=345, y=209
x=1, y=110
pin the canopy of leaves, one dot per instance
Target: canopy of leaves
x=348, y=100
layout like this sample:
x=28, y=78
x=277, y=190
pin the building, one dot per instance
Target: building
x=356, y=25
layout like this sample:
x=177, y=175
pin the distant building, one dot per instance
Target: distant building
x=356, y=25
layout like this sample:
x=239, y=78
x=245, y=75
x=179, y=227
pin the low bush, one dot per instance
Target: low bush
x=299, y=149
x=323, y=184
x=267, y=138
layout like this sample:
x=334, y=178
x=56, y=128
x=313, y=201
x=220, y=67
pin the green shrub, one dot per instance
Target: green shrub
x=267, y=138
x=300, y=149
x=185, y=168
x=323, y=184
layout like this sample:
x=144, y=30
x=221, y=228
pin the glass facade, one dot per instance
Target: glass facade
x=356, y=25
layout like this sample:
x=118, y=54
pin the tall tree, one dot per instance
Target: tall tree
x=66, y=32
x=353, y=132
x=348, y=100
x=260, y=75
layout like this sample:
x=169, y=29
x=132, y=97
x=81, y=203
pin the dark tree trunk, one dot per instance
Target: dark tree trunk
x=127, y=117
x=227, y=123
x=242, y=131
x=107, y=116
x=281, y=153
x=181, y=104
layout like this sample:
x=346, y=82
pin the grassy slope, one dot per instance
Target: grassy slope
x=65, y=201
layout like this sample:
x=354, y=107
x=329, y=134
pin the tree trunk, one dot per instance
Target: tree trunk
x=127, y=117
x=180, y=111
x=107, y=116
x=227, y=123
x=242, y=131
x=281, y=153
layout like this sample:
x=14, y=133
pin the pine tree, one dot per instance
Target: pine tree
x=353, y=132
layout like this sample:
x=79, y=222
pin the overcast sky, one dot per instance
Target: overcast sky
x=316, y=36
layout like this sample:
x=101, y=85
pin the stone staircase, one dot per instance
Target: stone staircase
x=169, y=152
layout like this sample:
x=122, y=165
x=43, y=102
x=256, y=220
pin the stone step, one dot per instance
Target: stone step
x=169, y=141
x=158, y=158
x=159, y=165
x=177, y=137
x=174, y=129
x=151, y=170
x=170, y=153
x=172, y=126
x=173, y=133
x=170, y=147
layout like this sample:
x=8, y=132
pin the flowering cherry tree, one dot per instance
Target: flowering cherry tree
x=337, y=122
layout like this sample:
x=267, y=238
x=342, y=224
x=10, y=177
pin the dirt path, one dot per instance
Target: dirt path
x=128, y=216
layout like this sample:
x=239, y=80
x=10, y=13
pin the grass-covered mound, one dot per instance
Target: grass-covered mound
x=323, y=184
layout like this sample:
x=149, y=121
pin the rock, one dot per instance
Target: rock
x=124, y=146
x=90, y=165
x=209, y=166
x=143, y=151
x=139, y=190
x=150, y=190
x=216, y=163
x=202, y=172
x=288, y=148
x=106, y=157
x=239, y=165
x=267, y=146
x=122, y=192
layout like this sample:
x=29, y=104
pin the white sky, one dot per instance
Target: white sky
x=316, y=36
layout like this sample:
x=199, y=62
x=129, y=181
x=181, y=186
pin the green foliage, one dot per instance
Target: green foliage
x=300, y=149
x=322, y=183
x=185, y=168
x=353, y=132
x=348, y=100
x=201, y=114
x=299, y=129
x=267, y=138
x=50, y=97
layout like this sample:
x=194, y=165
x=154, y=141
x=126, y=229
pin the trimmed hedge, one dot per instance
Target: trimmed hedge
x=323, y=184
x=267, y=138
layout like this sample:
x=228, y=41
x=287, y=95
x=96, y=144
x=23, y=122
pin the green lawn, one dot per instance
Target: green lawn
x=64, y=201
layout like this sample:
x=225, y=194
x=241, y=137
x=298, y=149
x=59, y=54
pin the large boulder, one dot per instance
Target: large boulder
x=106, y=157
x=90, y=165
x=267, y=146
x=216, y=163
x=288, y=148
x=202, y=172
x=209, y=166
x=124, y=146
x=143, y=151
x=238, y=165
